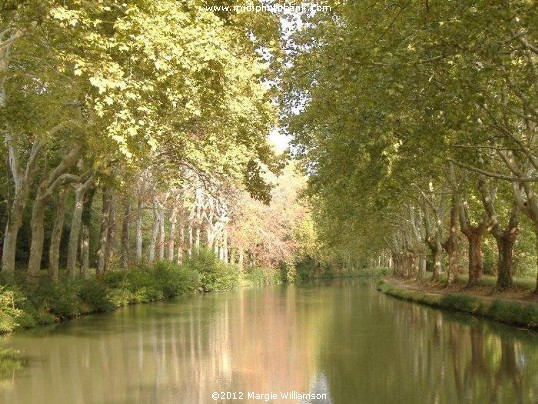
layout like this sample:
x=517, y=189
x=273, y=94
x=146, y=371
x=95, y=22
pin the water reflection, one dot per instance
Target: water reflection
x=345, y=340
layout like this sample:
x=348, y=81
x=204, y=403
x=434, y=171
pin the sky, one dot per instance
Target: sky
x=278, y=140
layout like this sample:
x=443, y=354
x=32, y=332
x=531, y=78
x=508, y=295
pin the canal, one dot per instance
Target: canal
x=340, y=341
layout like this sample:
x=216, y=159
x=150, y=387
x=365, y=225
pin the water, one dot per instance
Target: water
x=342, y=339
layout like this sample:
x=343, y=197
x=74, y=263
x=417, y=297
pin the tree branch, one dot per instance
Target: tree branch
x=492, y=174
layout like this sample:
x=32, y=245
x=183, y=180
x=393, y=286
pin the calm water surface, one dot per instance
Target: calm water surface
x=343, y=339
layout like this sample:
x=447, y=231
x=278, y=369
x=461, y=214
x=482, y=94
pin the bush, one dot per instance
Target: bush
x=9, y=313
x=214, y=274
x=57, y=298
x=95, y=295
x=48, y=302
x=175, y=280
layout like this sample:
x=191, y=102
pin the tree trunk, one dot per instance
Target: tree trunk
x=505, y=246
x=111, y=236
x=190, y=239
x=220, y=250
x=162, y=233
x=38, y=237
x=56, y=236
x=103, y=233
x=125, y=234
x=172, y=237
x=85, y=252
x=181, y=244
x=13, y=226
x=23, y=179
x=421, y=273
x=536, y=252
x=451, y=246
x=437, y=256
x=410, y=264
x=47, y=187
x=76, y=222
x=210, y=238
x=197, y=237
x=241, y=261
x=476, y=264
x=216, y=243
x=139, y=231
x=225, y=246
x=154, y=234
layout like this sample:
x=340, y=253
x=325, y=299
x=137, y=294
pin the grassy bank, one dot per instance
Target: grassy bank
x=24, y=305
x=513, y=312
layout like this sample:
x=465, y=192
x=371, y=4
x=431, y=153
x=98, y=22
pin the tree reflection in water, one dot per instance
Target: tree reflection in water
x=342, y=338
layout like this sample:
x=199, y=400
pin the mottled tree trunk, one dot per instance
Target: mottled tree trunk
x=38, y=237
x=451, y=243
x=210, y=238
x=55, y=179
x=154, y=234
x=139, y=212
x=476, y=264
x=56, y=236
x=216, y=243
x=103, y=233
x=111, y=236
x=241, y=260
x=85, y=252
x=76, y=223
x=197, y=237
x=225, y=245
x=421, y=272
x=22, y=178
x=181, y=244
x=536, y=257
x=125, y=234
x=437, y=257
x=190, y=239
x=162, y=233
x=172, y=237
x=13, y=225
x=505, y=246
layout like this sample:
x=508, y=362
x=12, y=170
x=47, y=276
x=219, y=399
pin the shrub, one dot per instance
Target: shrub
x=175, y=280
x=57, y=298
x=9, y=313
x=214, y=274
x=95, y=295
x=514, y=312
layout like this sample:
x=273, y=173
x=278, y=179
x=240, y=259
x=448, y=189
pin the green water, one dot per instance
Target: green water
x=342, y=339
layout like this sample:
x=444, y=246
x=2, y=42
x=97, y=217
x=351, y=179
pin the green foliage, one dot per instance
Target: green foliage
x=8, y=310
x=59, y=299
x=94, y=295
x=175, y=280
x=28, y=305
x=214, y=274
x=376, y=110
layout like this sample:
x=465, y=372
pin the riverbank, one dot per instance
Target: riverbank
x=516, y=307
x=26, y=305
